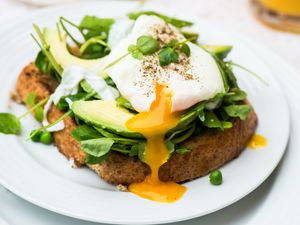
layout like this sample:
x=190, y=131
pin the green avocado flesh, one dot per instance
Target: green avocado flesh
x=220, y=51
x=59, y=50
x=105, y=114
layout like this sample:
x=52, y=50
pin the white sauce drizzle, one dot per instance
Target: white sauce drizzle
x=71, y=78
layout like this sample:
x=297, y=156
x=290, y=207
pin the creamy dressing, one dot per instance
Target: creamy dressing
x=119, y=30
x=71, y=78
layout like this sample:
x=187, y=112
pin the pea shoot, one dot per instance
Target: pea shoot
x=215, y=177
x=10, y=123
x=38, y=112
x=145, y=45
x=170, y=52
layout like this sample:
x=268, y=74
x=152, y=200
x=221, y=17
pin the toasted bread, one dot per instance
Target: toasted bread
x=208, y=151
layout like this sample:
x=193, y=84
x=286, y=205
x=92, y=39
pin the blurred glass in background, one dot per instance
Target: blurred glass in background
x=279, y=14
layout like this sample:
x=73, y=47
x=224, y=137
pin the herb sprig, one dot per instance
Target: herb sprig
x=170, y=52
x=11, y=124
x=145, y=45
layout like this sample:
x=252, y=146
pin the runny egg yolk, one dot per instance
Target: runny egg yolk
x=257, y=141
x=154, y=125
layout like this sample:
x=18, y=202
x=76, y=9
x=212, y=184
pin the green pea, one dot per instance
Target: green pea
x=36, y=137
x=215, y=177
x=46, y=138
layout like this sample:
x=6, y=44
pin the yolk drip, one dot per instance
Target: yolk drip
x=257, y=141
x=154, y=125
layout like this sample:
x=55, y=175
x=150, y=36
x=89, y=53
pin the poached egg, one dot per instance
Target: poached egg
x=192, y=79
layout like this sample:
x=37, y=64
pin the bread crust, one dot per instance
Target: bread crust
x=208, y=151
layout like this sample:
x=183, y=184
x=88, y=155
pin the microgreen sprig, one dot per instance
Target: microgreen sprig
x=46, y=49
x=10, y=124
x=61, y=118
x=170, y=52
x=62, y=22
x=145, y=45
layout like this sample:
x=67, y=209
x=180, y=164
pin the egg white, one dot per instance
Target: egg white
x=206, y=83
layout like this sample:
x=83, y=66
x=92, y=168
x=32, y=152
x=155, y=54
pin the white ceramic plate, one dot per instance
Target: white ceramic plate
x=41, y=175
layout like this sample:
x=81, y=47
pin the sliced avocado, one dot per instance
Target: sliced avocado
x=106, y=115
x=59, y=50
x=220, y=51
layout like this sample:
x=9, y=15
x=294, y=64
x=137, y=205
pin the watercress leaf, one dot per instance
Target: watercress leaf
x=191, y=36
x=88, y=89
x=211, y=120
x=134, y=150
x=147, y=45
x=172, y=43
x=96, y=24
x=226, y=124
x=42, y=62
x=170, y=145
x=200, y=110
x=30, y=99
x=90, y=159
x=167, y=56
x=123, y=102
x=64, y=105
x=174, y=21
x=85, y=132
x=137, y=55
x=185, y=135
x=234, y=96
x=36, y=135
x=240, y=111
x=105, y=133
x=222, y=70
x=97, y=147
x=39, y=114
x=186, y=50
x=9, y=124
x=132, y=48
x=182, y=150
x=141, y=150
x=110, y=81
x=95, y=51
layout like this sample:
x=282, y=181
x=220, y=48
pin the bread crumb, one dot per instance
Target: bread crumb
x=122, y=187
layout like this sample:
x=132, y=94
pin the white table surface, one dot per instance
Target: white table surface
x=232, y=15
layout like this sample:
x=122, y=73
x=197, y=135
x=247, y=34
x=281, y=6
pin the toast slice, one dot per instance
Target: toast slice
x=209, y=150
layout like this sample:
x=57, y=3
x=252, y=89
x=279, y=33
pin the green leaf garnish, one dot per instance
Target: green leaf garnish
x=147, y=45
x=9, y=124
x=174, y=21
x=170, y=146
x=240, y=111
x=97, y=147
x=30, y=99
x=95, y=26
x=212, y=121
x=185, y=49
x=182, y=150
x=123, y=102
x=43, y=63
x=85, y=132
x=168, y=55
x=90, y=159
x=191, y=36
